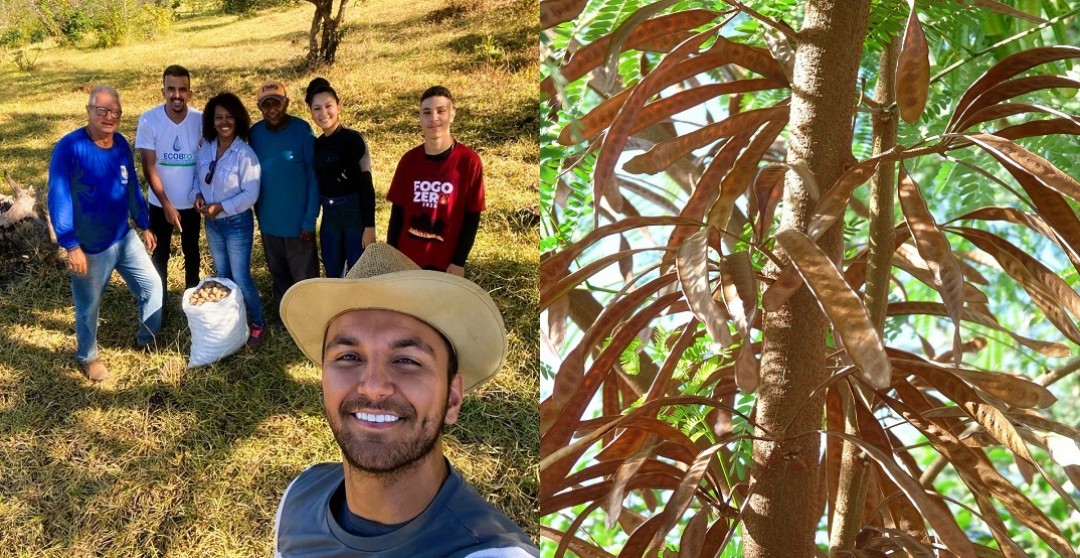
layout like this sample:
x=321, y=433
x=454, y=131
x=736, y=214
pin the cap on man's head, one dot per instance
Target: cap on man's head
x=385, y=279
x=272, y=90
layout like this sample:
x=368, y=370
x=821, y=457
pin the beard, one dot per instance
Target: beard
x=372, y=452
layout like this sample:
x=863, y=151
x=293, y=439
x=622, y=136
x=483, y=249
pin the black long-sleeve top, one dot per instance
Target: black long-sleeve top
x=343, y=167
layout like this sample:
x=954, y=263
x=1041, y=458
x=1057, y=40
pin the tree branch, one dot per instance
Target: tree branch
x=1054, y=376
x=851, y=492
x=785, y=30
x=1004, y=42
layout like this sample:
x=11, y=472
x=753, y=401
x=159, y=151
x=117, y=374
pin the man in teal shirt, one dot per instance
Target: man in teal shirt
x=289, y=193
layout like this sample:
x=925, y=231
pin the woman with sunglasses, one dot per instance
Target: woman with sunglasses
x=226, y=188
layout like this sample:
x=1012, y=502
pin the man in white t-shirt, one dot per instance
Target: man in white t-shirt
x=167, y=138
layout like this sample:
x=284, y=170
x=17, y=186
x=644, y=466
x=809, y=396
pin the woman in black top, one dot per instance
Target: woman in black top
x=343, y=168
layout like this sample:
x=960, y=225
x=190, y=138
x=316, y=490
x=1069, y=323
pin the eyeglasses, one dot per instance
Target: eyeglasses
x=210, y=175
x=102, y=111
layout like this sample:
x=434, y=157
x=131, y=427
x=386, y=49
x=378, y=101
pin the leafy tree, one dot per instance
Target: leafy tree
x=803, y=326
x=117, y=21
x=243, y=8
x=240, y=7
x=110, y=22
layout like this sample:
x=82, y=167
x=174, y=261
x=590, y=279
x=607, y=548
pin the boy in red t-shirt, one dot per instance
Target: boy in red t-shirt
x=437, y=193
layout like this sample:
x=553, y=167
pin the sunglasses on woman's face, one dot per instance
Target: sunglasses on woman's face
x=210, y=175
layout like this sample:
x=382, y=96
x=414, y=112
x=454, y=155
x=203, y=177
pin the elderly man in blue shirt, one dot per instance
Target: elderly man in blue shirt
x=93, y=191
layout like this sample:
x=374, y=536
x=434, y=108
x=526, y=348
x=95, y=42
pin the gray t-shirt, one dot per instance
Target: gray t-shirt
x=457, y=524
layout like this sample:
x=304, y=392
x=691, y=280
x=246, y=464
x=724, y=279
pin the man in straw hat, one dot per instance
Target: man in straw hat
x=398, y=347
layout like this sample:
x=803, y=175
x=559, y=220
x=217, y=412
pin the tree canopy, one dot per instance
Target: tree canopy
x=809, y=278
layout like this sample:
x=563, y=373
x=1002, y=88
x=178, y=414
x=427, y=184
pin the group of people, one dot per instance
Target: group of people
x=399, y=333
x=214, y=168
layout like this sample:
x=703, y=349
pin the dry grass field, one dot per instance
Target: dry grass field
x=160, y=460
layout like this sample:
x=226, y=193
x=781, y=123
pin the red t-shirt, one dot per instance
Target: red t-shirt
x=434, y=197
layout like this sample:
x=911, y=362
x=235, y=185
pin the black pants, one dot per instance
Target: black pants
x=190, y=222
x=289, y=261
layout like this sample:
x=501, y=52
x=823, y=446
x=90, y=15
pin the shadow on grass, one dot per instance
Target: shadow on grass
x=512, y=284
x=74, y=81
x=505, y=409
x=520, y=221
x=29, y=165
x=497, y=125
x=195, y=29
x=409, y=33
x=297, y=38
x=134, y=462
x=504, y=49
x=174, y=429
x=101, y=481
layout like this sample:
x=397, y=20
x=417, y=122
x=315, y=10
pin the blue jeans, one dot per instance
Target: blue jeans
x=129, y=258
x=230, y=240
x=341, y=233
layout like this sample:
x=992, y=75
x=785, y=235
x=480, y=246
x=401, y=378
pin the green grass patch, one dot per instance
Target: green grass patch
x=160, y=460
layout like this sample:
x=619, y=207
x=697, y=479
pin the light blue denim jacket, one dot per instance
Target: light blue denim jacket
x=236, y=177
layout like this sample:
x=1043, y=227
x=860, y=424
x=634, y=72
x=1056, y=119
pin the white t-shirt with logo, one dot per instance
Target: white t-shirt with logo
x=175, y=146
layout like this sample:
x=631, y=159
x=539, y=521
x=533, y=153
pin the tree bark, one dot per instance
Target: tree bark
x=334, y=39
x=784, y=500
x=312, y=59
x=325, y=33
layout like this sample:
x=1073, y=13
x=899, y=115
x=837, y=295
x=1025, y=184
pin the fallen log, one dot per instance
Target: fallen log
x=25, y=228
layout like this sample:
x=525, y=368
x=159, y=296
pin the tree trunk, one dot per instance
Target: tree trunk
x=851, y=493
x=317, y=22
x=325, y=33
x=883, y=189
x=785, y=500
x=334, y=38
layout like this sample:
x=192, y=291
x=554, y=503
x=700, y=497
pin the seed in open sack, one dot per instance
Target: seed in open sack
x=210, y=291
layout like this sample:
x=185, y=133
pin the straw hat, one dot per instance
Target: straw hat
x=385, y=279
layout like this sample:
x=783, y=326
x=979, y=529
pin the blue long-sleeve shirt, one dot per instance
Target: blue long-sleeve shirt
x=235, y=184
x=289, y=194
x=93, y=191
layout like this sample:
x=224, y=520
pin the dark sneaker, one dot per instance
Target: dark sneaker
x=95, y=370
x=256, y=337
